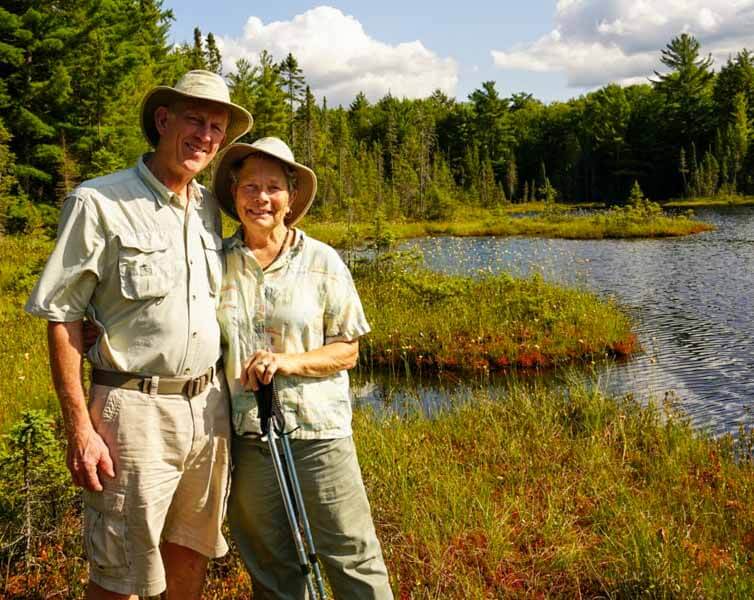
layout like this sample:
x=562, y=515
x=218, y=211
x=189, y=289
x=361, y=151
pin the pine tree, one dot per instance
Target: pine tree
x=739, y=133
x=687, y=89
x=683, y=169
x=213, y=59
x=511, y=177
x=293, y=81
x=270, y=110
x=198, y=56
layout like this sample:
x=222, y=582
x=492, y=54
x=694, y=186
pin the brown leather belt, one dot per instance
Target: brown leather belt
x=154, y=384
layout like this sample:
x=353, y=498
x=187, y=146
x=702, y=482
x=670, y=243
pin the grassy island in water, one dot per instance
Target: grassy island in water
x=423, y=320
x=644, y=219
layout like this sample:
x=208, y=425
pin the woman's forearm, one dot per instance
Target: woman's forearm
x=324, y=361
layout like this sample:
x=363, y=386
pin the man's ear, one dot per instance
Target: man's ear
x=161, y=119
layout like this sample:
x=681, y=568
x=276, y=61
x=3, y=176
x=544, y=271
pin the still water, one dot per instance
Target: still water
x=691, y=300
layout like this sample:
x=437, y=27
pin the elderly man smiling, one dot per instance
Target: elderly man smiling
x=138, y=252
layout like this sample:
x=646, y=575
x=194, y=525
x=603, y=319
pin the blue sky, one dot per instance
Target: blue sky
x=552, y=49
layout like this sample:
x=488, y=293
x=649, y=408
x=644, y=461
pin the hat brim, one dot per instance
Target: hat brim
x=306, y=186
x=162, y=95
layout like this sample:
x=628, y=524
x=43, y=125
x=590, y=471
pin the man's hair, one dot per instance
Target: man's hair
x=291, y=175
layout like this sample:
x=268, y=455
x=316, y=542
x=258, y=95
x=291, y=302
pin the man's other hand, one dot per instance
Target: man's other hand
x=88, y=458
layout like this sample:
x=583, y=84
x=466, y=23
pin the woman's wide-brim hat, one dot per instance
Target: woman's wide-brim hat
x=235, y=154
x=196, y=85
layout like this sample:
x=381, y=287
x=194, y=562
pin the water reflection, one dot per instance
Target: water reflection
x=690, y=297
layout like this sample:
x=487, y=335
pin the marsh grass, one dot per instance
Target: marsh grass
x=525, y=493
x=646, y=221
x=567, y=494
x=430, y=321
x=719, y=200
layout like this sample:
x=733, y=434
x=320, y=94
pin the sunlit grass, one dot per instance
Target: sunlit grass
x=432, y=321
x=529, y=492
x=24, y=371
x=558, y=494
x=720, y=200
x=554, y=222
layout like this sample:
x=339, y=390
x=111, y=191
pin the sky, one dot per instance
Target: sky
x=554, y=50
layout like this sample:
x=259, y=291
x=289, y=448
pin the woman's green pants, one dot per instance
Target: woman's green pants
x=339, y=515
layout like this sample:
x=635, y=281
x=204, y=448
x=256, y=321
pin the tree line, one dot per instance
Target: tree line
x=72, y=74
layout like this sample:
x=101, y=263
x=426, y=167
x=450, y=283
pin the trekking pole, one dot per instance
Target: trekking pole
x=273, y=426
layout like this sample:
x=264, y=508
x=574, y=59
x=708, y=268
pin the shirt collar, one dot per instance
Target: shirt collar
x=161, y=193
x=236, y=241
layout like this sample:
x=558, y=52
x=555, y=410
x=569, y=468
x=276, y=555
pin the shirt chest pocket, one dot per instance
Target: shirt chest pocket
x=146, y=265
x=213, y=247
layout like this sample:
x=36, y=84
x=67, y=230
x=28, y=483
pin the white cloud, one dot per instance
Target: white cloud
x=598, y=41
x=339, y=59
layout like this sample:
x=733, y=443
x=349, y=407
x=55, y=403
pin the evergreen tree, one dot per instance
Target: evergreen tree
x=213, y=59
x=270, y=110
x=198, y=56
x=305, y=140
x=511, y=178
x=293, y=81
x=736, y=76
x=683, y=169
x=687, y=89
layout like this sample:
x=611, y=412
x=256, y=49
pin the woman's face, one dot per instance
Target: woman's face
x=261, y=194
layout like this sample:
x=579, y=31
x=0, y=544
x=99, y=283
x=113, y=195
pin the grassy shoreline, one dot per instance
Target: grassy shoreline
x=731, y=200
x=559, y=494
x=529, y=493
x=618, y=223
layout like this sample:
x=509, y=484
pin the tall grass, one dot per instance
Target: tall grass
x=558, y=494
x=434, y=321
x=24, y=372
x=529, y=493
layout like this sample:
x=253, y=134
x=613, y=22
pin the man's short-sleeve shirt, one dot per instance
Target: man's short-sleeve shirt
x=302, y=301
x=143, y=265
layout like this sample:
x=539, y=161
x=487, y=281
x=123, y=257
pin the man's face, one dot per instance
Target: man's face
x=191, y=133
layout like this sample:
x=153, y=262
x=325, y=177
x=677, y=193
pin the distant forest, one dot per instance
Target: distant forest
x=73, y=72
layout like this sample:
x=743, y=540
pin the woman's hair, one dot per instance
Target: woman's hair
x=291, y=175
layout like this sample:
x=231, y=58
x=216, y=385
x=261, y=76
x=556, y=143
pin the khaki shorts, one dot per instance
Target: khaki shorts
x=171, y=458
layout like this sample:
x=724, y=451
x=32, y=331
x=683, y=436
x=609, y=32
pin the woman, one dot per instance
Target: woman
x=289, y=309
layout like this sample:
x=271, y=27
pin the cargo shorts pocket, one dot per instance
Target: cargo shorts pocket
x=105, y=533
x=145, y=265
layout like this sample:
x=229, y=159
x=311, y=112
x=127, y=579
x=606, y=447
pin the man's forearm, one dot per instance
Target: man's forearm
x=65, y=342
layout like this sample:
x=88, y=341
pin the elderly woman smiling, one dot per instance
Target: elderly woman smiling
x=289, y=309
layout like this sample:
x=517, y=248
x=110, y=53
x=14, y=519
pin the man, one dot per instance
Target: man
x=138, y=252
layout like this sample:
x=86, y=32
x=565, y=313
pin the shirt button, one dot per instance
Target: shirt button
x=193, y=335
x=191, y=262
x=187, y=371
x=193, y=296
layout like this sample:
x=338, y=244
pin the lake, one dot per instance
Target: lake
x=690, y=297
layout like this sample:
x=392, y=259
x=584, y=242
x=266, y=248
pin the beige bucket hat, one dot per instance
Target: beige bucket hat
x=201, y=85
x=235, y=154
